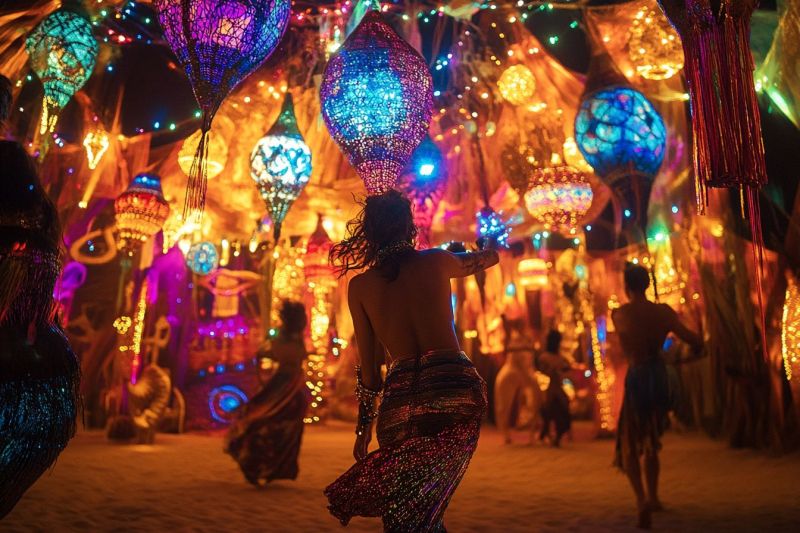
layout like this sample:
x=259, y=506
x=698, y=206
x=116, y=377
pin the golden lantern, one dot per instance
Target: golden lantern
x=532, y=273
x=654, y=46
x=559, y=197
x=217, y=153
x=517, y=84
x=790, y=328
x=140, y=212
x=96, y=144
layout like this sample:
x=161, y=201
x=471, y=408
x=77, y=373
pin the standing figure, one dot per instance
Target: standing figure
x=516, y=376
x=433, y=399
x=642, y=327
x=39, y=373
x=555, y=408
x=265, y=438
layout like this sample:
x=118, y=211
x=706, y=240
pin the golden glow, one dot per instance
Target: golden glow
x=96, y=144
x=138, y=330
x=532, y=273
x=517, y=84
x=217, y=150
x=654, y=46
x=790, y=328
x=122, y=324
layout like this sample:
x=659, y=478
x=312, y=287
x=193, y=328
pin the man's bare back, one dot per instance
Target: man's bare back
x=643, y=326
x=412, y=314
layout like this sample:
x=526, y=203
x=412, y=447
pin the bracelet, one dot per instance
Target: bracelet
x=366, y=404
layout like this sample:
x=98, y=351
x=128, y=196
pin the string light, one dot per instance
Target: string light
x=790, y=328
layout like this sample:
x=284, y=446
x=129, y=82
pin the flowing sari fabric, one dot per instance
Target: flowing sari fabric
x=645, y=409
x=265, y=439
x=428, y=428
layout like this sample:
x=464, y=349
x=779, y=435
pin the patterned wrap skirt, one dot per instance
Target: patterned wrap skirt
x=645, y=410
x=428, y=428
x=265, y=438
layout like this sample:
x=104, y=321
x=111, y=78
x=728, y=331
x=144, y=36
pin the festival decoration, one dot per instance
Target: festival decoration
x=726, y=127
x=777, y=76
x=320, y=281
x=376, y=95
x=218, y=43
x=790, y=328
x=202, y=258
x=491, y=226
x=216, y=158
x=519, y=164
x=532, y=273
x=559, y=197
x=224, y=401
x=62, y=52
x=96, y=144
x=517, y=85
x=140, y=212
x=654, y=47
x=423, y=181
x=281, y=165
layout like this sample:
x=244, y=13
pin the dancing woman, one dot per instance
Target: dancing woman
x=642, y=327
x=433, y=399
x=39, y=373
x=265, y=439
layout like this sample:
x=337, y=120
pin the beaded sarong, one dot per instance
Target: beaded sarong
x=428, y=428
x=645, y=407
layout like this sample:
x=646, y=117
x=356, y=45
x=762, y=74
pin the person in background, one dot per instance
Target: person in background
x=265, y=438
x=432, y=400
x=555, y=408
x=515, y=376
x=39, y=373
x=642, y=327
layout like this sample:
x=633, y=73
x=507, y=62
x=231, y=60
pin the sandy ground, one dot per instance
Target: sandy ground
x=185, y=483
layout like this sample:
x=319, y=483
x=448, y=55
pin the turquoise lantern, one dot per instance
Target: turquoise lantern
x=63, y=52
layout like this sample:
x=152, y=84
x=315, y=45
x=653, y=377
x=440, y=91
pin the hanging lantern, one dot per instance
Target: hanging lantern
x=532, y=273
x=726, y=125
x=140, y=212
x=654, y=47
x=519, y=164
x=218, y=43
x=63, y=52
x=316, y=266
x=96, y=144
x=423, y=181
x=491, y=226
x=624, y=139
x=202, y=258
x=517, y=84
x=376, y=98
x=559, y=197
x=217, y=153
x=790, y=329
x=281, y=165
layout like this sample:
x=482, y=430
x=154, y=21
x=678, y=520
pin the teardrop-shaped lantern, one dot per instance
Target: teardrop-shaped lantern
x=376, y=98
x=140, y=212
x=281, y=165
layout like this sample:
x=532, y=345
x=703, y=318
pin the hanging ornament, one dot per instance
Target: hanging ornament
x=559, y=197
x=281, y=165
x=726, y=125
x=96, y=144
x=217, y=155
x=376, y=98
x=423, y=181
x=491, y=226
x=654, y=47
x=218, y=43
x=316, y=265
x=140, y=212
x=517, y=85
x=320, y=282
x=63, y=52
x=202, y=258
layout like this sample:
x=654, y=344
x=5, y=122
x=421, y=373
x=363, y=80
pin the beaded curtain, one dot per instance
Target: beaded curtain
x=62, y=52
x=218, y=43
x=376, y=98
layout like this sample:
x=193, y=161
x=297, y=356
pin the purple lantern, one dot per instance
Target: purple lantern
x=218, y=43
x=376, y=98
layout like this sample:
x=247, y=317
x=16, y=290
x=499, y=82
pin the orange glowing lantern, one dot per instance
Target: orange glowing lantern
x=532, y=273
x=140, y=212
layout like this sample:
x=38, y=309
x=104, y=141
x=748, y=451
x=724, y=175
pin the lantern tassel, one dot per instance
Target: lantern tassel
x=195, y=199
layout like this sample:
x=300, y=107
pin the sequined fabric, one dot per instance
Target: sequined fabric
x=428, y=428
x=645, y=406
x=265, y=439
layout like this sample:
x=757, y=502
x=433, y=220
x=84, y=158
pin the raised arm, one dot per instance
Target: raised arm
x=463, y=264
x=685, y=334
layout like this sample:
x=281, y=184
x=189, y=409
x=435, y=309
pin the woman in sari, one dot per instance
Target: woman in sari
x=39, y=373
x=265, y=439
x=433, y=399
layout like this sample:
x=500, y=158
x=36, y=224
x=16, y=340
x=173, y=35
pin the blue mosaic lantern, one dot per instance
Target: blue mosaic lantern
x=202, y=258
x=63, y=53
